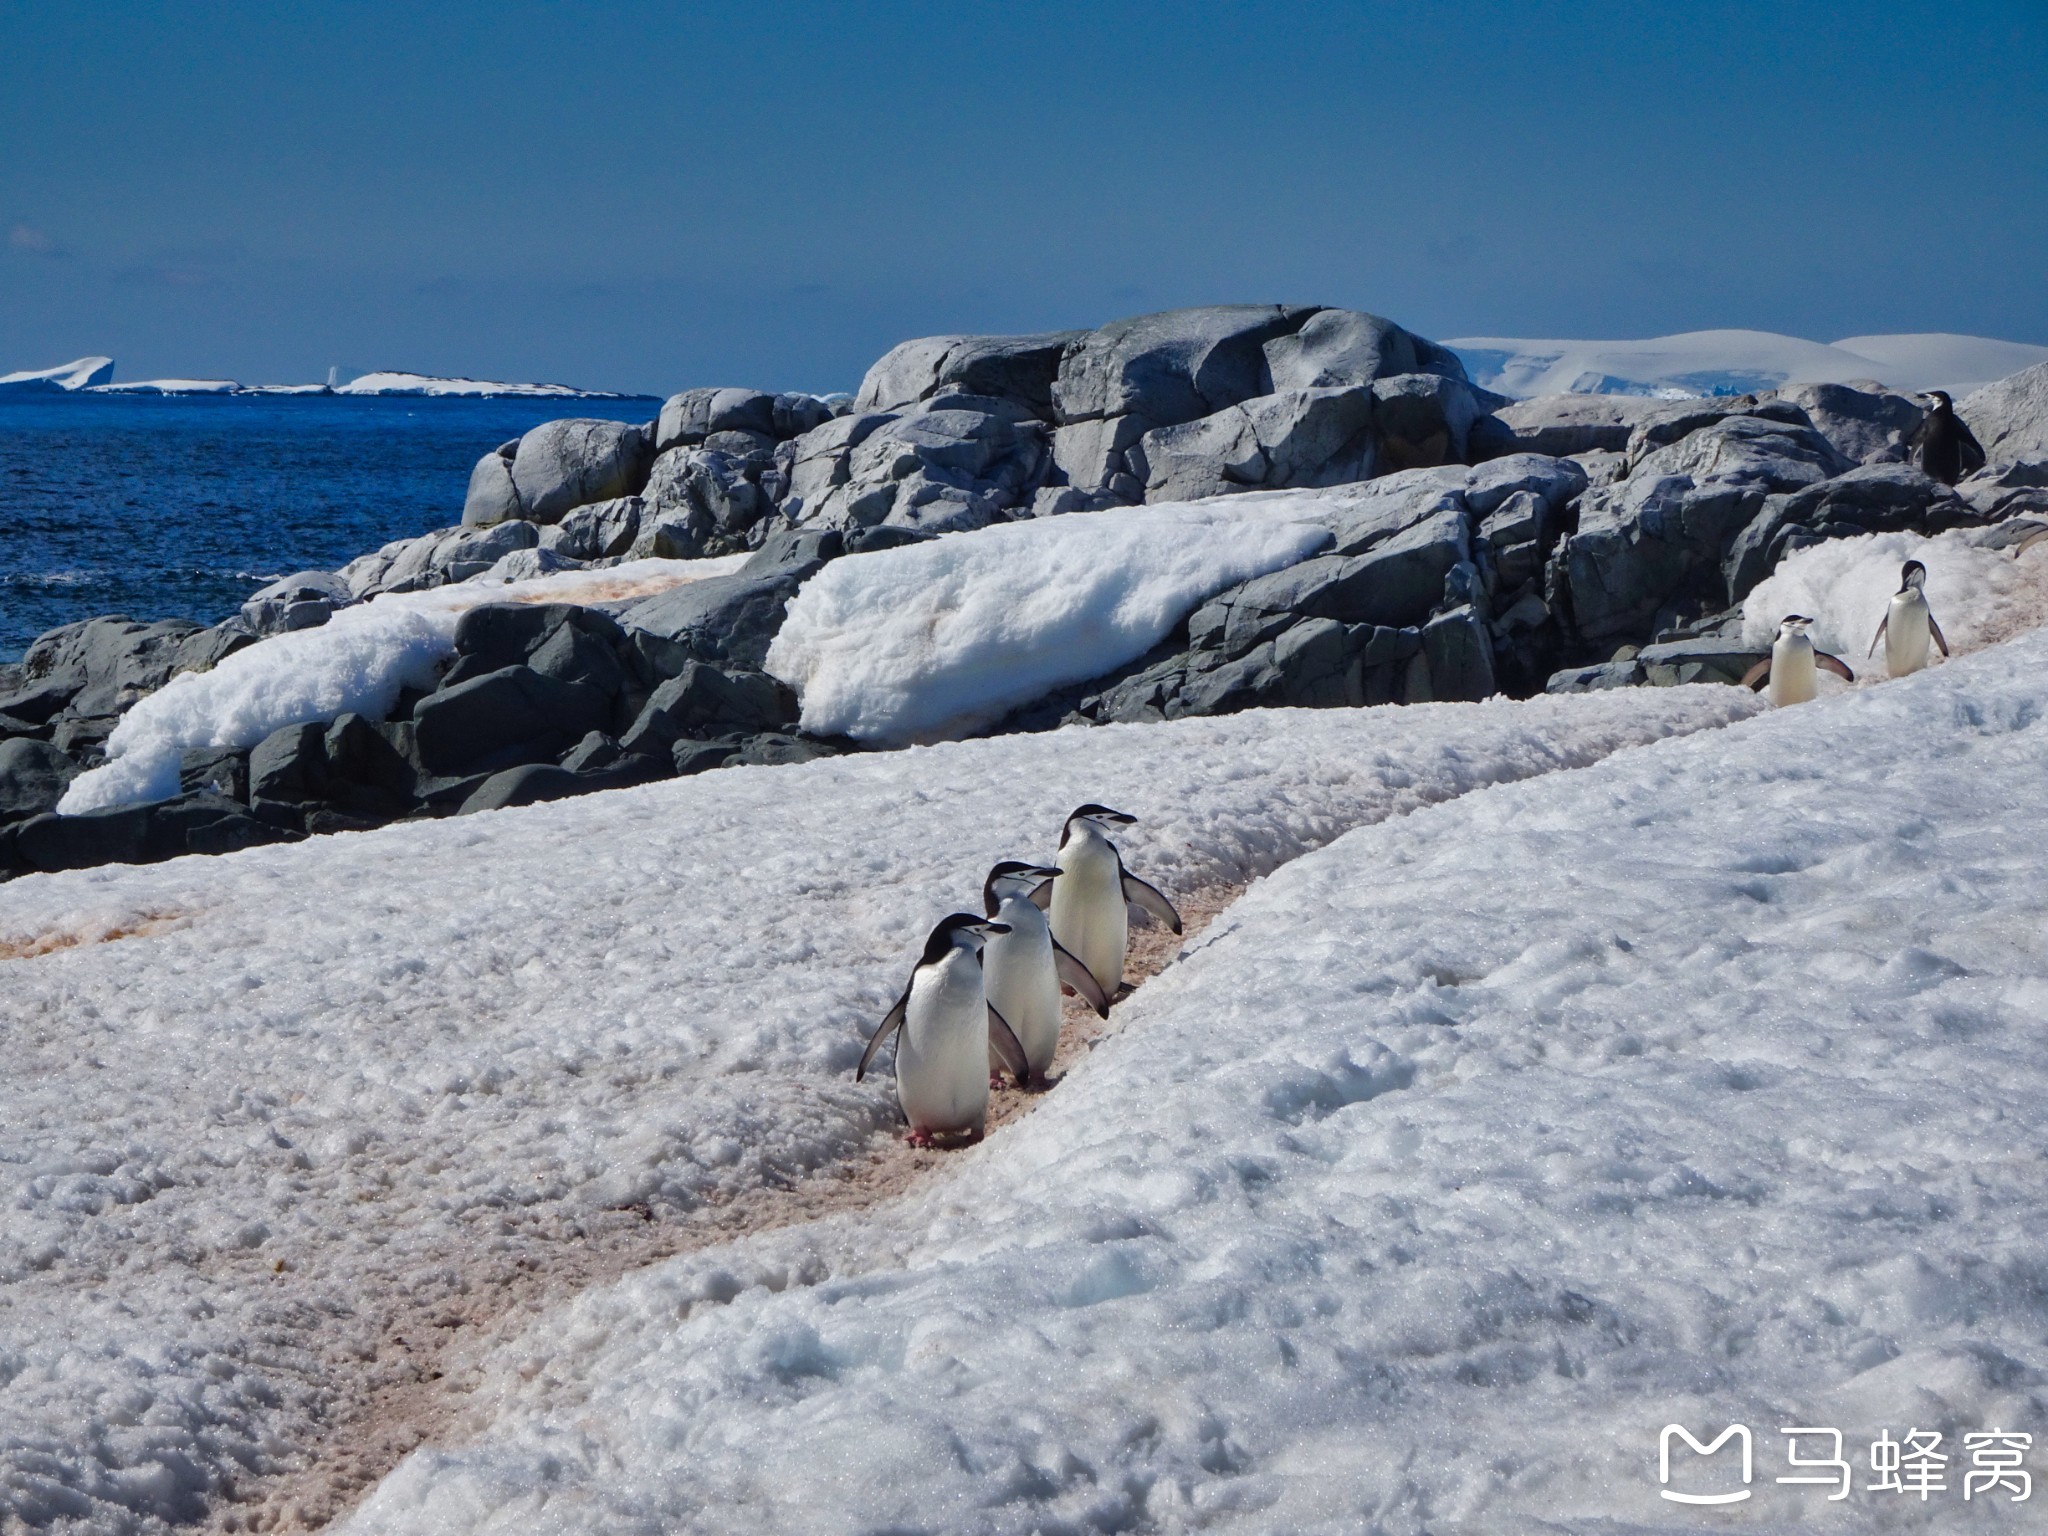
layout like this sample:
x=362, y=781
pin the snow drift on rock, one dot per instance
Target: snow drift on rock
x=319, y=1094
x=357, y=661
x=1979, y=596
x=932, y=640
x=1704, y=1086
x=1732, y=362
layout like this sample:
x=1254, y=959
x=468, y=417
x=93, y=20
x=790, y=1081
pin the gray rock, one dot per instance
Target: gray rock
x=561, y=465
x=727, y=618
x=1172, y=367
x=2007, y=490
x=1669, y=421
x=820, y=461
x=1709, y=659
x=108, y=663
x=695, y=414
x=603, y=530
x=2010, y=418
x=1872, y=498
x=141, y=834
x=1555, y=481
x=1596, y=679
x=1340, y=348
x=1301, y=437
x=703, y=701
x=1423, y=419
x=221, y=771
x=303, y=600
x=949, y=465
x=33, y=778
x=492, y=496
x=700, y=501
x=533, y=783
x=471, y=552
x=528, y=565
x=1090, y=455
x=1867, y=426
x=1459, y=652
x=1564, y=425
x=1016, y=369
x=507, y=717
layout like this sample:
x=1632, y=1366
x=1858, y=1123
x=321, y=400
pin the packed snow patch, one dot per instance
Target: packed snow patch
x=357, y=662
x=1704, y=1086
x=371, y=1075
x=933, y=640
x=1978, y=596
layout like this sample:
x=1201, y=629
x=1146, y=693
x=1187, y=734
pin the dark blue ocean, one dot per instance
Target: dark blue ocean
x=180, y=508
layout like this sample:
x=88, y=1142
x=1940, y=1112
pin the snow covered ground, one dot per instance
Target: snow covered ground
x=358, y=661
x=931, y=640
x=269, y=1120
x=1705, y=1086
x=1736, y=362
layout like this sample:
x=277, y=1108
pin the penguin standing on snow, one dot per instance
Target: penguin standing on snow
x=1908, y=624
x=949, y=1030
x=1790, y=670
x=1088, y=916
x=1023, y=968
x=1946, y=449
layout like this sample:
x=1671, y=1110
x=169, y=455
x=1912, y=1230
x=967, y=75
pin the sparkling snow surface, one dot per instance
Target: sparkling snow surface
x=1707, y=1085
x=931, y=640
x=1736, y=361
x=318, y=1082
x=357, y=661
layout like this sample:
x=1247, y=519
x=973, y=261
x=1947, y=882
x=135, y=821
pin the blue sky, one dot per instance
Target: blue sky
x=655, y=196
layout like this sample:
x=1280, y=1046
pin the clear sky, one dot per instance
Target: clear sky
x=654, y=196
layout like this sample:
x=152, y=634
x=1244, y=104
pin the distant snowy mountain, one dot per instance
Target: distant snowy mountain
x=390, y=383
x=1735, y=362
x=80, y=374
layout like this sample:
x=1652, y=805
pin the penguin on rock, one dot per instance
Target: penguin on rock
x=1943, y=447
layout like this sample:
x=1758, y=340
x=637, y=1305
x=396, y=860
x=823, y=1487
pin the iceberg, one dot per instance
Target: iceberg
x=79, y=374
x=393, y=383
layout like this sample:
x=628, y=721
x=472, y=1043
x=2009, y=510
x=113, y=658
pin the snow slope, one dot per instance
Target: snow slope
x=326, y=1085
x=1706, y=1086
x=73, y=375
x=1731, y=362
x=358, y=661
x=931, y=640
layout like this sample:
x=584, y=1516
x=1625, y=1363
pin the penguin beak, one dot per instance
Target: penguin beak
x=991, y=928
x=1113, y=818
x=1040, y=872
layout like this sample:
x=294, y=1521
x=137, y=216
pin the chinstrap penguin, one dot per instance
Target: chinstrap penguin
x=1946, y=449
x=947, y=1031
x=1088, y=915
x=1790, y=667
x=1908, y=624
x=1024, y=968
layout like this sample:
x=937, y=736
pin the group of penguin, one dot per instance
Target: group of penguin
x=985, y=996
x=1908, y=631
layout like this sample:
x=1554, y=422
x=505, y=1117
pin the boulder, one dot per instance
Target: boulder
x=728, y=618
x=33, y=777
x=1669, y=421
x=221, y=771
x=1320, y=436
x=528, y=565
x=303, y=600
x=1018, y=370
x=141, y=834
x=2010, y=417
x=701, y=501
x=2007, y=490
x=1562, y=425
x=504, y=718
x=1343, y=348
x=703, y=701
x=564, y=641
x=603, y=530
x=1867, y=426
x=1423, y=419
x=532, y=783
x=561, y=465
x=492, y=497
x=108, y=663
x=695, y=414
x=821, y=460
x=1172, y=367
x=1872, y=498
x=958, y=462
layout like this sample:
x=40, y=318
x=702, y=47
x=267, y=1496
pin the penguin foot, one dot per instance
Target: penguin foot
x=995, y=1079
x=920, y=1138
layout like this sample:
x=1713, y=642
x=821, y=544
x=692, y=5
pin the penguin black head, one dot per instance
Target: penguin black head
x=1101, y=815
x=1942, y=404
x=1027, y=876
x=1794, y=621
x=960, y=930
x=1912, y=574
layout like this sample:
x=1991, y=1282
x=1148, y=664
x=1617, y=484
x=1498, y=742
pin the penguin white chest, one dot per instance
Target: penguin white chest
x=942, y=1059
x=1088, y=914
x=1906, y=634
x=1792, y=670
x=1022, y=984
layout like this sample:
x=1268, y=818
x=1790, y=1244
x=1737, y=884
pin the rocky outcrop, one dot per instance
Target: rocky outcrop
x=2010, y=418
x=1017, y=369
x=558, y=466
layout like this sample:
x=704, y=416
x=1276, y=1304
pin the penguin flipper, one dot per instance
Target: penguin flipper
x=1970, y=452
x=1147, y=898
x=1042, y=897
x=1934, y=629
x=1081, y=979
x=891, y=1022
x=1834, y=664
x=1755, y=678
x=1009, y=1050
x=1882, y=625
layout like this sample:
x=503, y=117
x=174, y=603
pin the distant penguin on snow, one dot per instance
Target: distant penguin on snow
x=1024, y=967
x=948, y=1030
x=1088, y=916
x=1908, y=624
x=1790, y=667
x=1945, y=449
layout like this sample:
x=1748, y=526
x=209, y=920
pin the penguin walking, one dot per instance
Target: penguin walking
x=1946, y=449
x=948, y=1029
x=1088, y=916
x=1908, y=624
x=1790, y=671
x=1023, y=968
